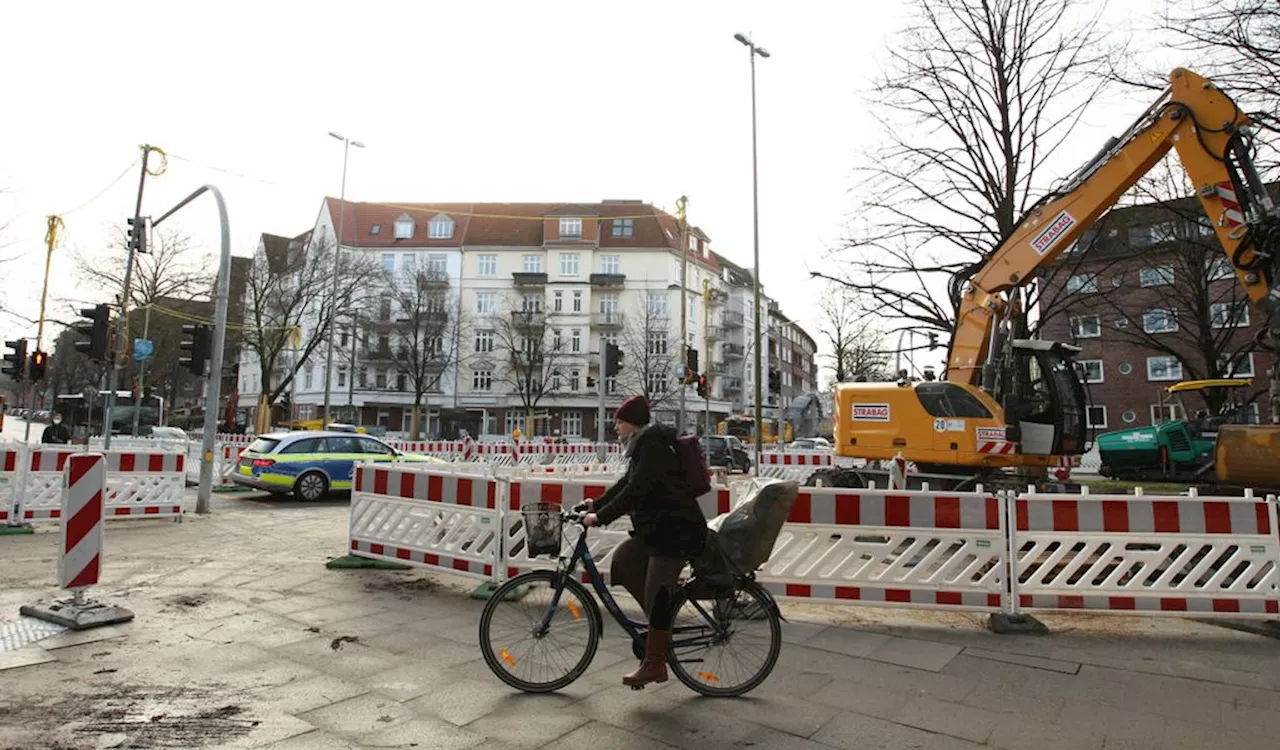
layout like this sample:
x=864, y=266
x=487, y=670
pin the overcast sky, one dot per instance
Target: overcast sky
x=495, y=101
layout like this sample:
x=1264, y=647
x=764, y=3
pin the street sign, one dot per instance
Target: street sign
x=143, y=349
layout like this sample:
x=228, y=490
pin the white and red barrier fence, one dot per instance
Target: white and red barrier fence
x=84, y=486
x=139, y=484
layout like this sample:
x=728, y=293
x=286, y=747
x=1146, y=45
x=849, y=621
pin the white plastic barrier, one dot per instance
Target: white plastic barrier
x=900, y=549
x=139, y=485
x=10, y=464
x=796, y=458
x=1146, y=554
x=426, y=518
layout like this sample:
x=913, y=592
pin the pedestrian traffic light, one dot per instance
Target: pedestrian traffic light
x=94, y=331
x=775, y=381
x=16, y=362
x=690, y=364
x=612, y=360
x=36, y=369
x=933, y=340
x=702, y=386
x=197, y=340
x=138, y=234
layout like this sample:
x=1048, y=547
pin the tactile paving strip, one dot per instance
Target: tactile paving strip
x=14, y=634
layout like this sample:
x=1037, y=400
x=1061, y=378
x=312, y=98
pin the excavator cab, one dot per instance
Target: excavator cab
x=1046, y=409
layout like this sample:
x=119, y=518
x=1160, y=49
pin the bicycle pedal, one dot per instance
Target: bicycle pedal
x=637, y=687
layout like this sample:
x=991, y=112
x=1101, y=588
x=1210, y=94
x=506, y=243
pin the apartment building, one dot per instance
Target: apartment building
x=793, y=353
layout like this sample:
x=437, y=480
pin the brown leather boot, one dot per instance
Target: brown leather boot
x=653, y=668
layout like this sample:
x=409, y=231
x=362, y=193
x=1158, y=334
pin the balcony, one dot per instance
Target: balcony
x=731, y=385
x=720, y=368
x=522, y=279
x=608, y=280
x=717, y=297
x=732, y=319
x=734, y=350
x=528, y=318
x=714, y=333
x=607, y=320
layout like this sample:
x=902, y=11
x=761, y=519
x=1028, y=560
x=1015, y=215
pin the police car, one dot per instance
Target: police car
x=311, y=464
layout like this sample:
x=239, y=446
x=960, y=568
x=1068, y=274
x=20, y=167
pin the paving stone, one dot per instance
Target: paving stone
x=1182, y=735
x=908, y=652
x=531, y=723
x=1019, y=733
x=793, y=683
x=1035, y=662
x=463, y=701
x=1120, y=728
x=799, y=632
x=869, y=733
x=267, y=674
x=954, y=719
x=287, y=604
x=335, y=612
x=26, y=656
x=307, y=695
x=597, y=735
x=349, y=659
x=407, y=682
x=849, y=642
x=78, y=637
x=359, y=717
x=795, y=716
x=424, y=732
x=316, y=739
x=1251, y=719
x=271, y=728
x=869, y=700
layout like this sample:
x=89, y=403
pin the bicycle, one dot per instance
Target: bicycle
x=543, y=607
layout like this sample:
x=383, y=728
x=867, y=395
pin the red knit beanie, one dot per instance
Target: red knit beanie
x=634, y=410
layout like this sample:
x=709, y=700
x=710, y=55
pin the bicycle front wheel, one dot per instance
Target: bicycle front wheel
x=524, y=652
x=728, y=645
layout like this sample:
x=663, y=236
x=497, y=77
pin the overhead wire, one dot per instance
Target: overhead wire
x=103, y=191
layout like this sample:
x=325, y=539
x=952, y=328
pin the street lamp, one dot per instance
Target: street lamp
x=347, y=143
x=752, y=52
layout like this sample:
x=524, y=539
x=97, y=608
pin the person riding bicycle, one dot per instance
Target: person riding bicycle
x=669, y=528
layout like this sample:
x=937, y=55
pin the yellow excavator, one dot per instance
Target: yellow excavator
x=1010, y=408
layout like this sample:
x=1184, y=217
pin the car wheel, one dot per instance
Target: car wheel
x=311, y=486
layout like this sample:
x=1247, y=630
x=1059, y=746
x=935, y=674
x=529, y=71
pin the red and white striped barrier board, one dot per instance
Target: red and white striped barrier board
x=431, y=519
x=567, y=493
x=83, y=489
x=775, y=458
x=1142, y=553
x=928, y=549
x=228, y=437
x=139, y=485
x=10, y=476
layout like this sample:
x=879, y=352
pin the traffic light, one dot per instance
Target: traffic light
x=775, y=381
x=933, y=340
x=138, y=234
x=612, y=360
x=94, y=331
x=690, y=364
x=16, y=366
x=197, y=340
x=702, y=386
x=39, y=360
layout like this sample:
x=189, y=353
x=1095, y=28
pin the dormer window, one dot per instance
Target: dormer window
x=375, y=229
x=570, y=228
x=404, y=227
x=440, y=227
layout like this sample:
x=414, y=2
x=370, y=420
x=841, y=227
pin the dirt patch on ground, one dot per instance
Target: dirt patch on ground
x=187, y=601
x=140, y=716
x=405, y=589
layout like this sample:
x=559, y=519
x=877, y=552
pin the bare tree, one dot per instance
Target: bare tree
x=651, y=354
x=977, y=99
x=528, y=350
x=287, y=309
x=416, y=327
x=855, y=341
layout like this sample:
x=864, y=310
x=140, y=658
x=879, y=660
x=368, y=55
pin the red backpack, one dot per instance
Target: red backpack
x=693, y=465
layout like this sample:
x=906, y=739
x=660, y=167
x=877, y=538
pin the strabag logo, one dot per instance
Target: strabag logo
x=871, y=412
x=990, y=433
x=1050, y=235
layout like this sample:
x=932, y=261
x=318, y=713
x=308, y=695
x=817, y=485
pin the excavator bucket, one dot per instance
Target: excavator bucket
x=1249, y=456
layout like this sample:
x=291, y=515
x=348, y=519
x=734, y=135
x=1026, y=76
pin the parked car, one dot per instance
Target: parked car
x=167, y=433
x=809, y=444
x=727, y=451
x=312, y=464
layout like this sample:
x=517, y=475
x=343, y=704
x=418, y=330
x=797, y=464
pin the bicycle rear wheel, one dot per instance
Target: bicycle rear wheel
x=728, y=645
x=533, y=661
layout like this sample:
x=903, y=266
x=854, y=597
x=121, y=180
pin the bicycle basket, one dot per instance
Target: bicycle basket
x=542, y=528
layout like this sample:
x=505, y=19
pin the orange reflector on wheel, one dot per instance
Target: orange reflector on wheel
x=573, y=609
x=708, y=677
x=507, y=657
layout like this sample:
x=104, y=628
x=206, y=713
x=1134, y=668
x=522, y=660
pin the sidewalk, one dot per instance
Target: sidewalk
x=243, y=639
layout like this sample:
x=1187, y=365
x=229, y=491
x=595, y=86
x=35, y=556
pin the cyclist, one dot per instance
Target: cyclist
x=669, y=528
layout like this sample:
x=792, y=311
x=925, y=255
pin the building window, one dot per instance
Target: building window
x=1153, y=234
x=557, y=301
x=1155, y=275
x=1239, y=367
x=658, y=304
x=404, y=228
x=577, y=301
x=557, y=340
x=533, y=264
x=362, y=377
x=1086, y=327
x=389, y=262
x=575, y=380
x=438, y=264
x=657, y=383
x=1097, y=416
x=531, y=303
x=1218, y=268
x=657, y=342
x=569, y=264
x=484, y=341
x=342, y=339
x=375, y=229
x=610, y=303
x=571, y=424
x=384, y=309
x=1090, y=370
x=440, y=228
x=611, y=385
x=622, y=228
x=408, y=264
x=486, y=303
x=610, y=264
x=570, y=228
x=1161, y=413
x=556, y=383
x=1083, y=283
x=482, y=380
x=342, y=376
x=1160, y=320
x=307, y=378
x=1164, y=368
x=488, y=265
x=1228, y=314
x=575, y=340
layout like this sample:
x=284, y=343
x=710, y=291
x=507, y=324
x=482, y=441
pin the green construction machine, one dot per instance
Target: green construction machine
x=1177, y=449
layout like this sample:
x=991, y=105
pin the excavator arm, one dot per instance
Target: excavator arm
x=1209, y=133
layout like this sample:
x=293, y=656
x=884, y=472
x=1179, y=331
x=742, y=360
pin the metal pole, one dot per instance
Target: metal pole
x=122, y=345
x=333, y=292
x=214, y=392
x=682, y=205
x=706, y=353
x=142, y=372
x=755, y=274
x=602, y=450
x=50, y=239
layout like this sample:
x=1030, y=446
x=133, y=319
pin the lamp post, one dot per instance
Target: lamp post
x=753, y=51
x=347, y=143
